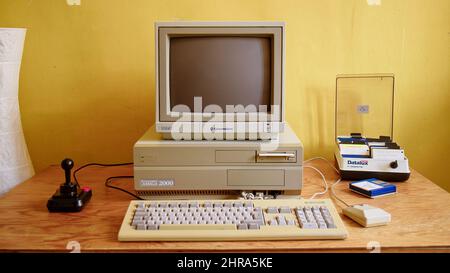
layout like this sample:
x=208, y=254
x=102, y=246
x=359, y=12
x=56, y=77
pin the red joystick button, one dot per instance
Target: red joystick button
x=86, y=189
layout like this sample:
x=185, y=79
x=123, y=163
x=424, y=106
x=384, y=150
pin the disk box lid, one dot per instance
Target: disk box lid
x=364, y=104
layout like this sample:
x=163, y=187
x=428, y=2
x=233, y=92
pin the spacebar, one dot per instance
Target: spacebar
x=197, y=227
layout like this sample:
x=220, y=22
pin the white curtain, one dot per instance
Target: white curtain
x=15, y=163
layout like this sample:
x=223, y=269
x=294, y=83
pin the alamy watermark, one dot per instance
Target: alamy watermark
x=235, y=122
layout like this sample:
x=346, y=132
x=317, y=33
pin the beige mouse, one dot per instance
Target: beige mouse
x=367, y=216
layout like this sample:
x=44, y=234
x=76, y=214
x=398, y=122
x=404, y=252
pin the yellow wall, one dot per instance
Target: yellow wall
x=87, y=78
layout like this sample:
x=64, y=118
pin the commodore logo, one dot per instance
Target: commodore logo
x=213, y=129
x=358, y=162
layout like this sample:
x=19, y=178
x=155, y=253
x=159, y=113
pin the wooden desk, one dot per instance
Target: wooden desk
x=420, y=219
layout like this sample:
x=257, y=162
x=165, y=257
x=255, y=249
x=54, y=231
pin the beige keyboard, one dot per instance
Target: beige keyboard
x=230, y=220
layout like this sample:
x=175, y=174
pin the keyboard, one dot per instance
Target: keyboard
x=230, y=220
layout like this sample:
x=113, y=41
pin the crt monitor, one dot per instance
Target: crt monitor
x=219, y=80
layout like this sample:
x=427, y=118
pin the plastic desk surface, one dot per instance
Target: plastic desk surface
x=420, y=219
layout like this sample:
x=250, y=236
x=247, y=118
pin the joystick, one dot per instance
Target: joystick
x=69, y=198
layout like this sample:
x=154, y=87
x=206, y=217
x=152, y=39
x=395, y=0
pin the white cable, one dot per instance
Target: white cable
x=321, y=174
x=335, y=195
x=324, y=159
x=324, y=182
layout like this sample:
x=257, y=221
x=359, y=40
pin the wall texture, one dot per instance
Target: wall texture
x=87, y=78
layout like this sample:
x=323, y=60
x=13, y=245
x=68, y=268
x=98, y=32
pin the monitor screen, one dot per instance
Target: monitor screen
x=223, y=70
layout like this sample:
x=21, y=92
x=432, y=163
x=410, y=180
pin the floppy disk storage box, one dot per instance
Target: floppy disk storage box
x=365, y=147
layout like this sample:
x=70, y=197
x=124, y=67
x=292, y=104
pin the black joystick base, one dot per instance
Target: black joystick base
x=69, y=198
x=59, y=202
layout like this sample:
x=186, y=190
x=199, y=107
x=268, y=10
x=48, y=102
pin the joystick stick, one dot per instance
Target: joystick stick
x=69, y=198
x=67, y=189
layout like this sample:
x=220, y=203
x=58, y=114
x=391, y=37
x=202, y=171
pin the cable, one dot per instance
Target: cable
x=96, y=164
x=108, y=181
x=257, y=196
x=321, y=174
x=324, y=159
x=333, y=193
x=324, y=182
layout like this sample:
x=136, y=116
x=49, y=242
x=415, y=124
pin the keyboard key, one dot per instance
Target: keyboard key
x=137, y=222
x=242, y=226
x=302, y=221
x=252, y=222
x=193, y=204
x=140, y=214
x=237, y=204
x=272, y=210
x=141, y=227
x=285, y=209
x=258, y=217
x=309, y=225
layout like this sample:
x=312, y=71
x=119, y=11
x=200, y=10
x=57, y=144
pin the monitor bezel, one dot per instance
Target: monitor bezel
x=164, y=30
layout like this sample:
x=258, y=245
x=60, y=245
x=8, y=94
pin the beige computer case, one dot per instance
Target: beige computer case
x=200, y=169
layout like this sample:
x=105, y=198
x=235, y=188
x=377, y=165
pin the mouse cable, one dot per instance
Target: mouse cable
x=333, y=192
x=323, y=179
x=324, y=159
x=320, y=173
x=96, y=164
x=108, y=184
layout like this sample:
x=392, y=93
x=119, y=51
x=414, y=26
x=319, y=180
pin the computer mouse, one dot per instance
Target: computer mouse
x=367, y=216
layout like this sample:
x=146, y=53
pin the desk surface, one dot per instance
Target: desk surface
x=420, y=219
